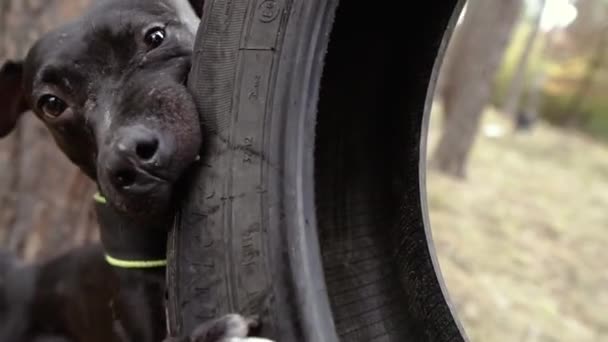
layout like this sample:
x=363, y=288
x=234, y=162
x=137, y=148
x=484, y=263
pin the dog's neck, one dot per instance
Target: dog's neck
x=131, y=244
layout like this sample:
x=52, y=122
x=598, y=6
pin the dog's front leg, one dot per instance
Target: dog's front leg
x=228, y=328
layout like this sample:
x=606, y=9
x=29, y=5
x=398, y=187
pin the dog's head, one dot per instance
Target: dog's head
x=111, y=89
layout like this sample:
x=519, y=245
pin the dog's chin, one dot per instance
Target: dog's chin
x=150, y=205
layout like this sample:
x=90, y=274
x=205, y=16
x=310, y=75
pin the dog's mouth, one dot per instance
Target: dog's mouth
x=137, y=190
x=142, y=193
x=128, y=179
x=144, y=200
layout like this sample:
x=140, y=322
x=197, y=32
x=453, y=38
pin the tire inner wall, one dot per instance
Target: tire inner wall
x=380, y=279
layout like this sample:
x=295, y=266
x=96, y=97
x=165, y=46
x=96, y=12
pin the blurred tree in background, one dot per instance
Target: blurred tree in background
x=475, y=57
x=590, y=40
x=570, y=63
x=521, y=243
x=549, y=63
x=516, y=87
x=43, y=198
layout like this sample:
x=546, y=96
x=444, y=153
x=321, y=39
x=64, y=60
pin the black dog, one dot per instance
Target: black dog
x=99, y=294
x=110, y=88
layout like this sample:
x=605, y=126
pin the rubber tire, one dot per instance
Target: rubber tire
x=309, y=208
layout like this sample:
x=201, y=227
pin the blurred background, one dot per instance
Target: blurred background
x=518, y=167
x=518, y=170
x=43, y=198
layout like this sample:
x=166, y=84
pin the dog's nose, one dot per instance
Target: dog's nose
x=136, y=158
x=140, y=143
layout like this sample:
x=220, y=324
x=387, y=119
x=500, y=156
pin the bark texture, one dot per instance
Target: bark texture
x=478, y=51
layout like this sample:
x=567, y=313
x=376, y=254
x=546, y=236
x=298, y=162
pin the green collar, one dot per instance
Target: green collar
x=129, y=264
x=135, y=263
x=99, y=198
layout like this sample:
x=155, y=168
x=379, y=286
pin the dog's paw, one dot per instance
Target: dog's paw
x=228, y=328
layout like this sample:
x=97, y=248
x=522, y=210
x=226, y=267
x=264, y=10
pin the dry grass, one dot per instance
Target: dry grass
x=523, y=242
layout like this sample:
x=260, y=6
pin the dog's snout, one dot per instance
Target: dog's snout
x=138, y=143
x=124, y=172
x=136, y=158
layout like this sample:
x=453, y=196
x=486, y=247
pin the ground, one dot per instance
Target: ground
x=523, y=242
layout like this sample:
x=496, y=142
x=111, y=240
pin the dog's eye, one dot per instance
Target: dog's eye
x=155, y=36
x=52, y=105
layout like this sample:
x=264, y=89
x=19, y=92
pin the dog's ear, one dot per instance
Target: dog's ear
x=12, y=96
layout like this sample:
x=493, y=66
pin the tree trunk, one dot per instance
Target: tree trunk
x=485, y=32
x=574, y=113
x=517, y=86
x=448, y=62
x=45, y=205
